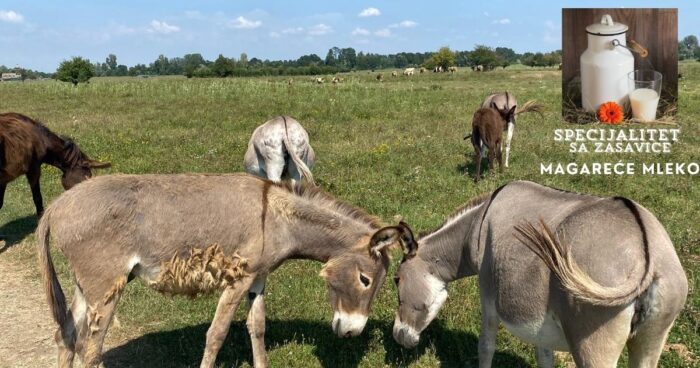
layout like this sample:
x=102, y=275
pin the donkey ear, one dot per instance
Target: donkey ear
x=493, y=105
x=98, y=165
x=383, y=238
x=512, y=110
x=408, y=242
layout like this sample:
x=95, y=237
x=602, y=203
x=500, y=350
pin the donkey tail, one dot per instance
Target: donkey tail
x=530, y=106
x=301, y=165
x=544, y=243
x=54, y=293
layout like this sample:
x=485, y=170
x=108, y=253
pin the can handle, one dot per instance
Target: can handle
x=641, y=50
x=635, y=47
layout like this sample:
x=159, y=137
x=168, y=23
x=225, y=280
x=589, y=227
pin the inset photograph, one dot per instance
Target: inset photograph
x=619, y=65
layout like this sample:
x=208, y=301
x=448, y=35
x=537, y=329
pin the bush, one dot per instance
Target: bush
x=77, y=70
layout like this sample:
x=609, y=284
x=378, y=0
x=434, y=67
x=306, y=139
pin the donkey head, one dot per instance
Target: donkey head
x=508, y=115
x=354, y=279
x=421, y=295
x=77, y=166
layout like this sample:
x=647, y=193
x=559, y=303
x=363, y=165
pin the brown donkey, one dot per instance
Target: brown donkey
x=192, y=234
x=25, y=144
x=488, y=125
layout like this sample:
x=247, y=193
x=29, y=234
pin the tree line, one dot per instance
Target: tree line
x=336, y=60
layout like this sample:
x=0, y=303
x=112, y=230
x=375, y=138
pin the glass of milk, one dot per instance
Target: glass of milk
x=645, y=89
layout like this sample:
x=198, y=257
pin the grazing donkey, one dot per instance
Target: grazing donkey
x=191, y=234
x=25, y=144
x=487, y=131
x=610, y=275
x=506, y=100
x=280, y=149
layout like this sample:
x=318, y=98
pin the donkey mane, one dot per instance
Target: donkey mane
x=72, y=154
x=315, y=194
x=472, y=203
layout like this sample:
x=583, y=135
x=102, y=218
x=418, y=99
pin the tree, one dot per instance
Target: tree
x=691, y=42
x=444, y=58
x=191, y=63
x=243, y=60
x=111, y=62
x=332, y=56
x=483, y=55
x=223, y=66
x=347, y=58
x=76, y=70
x=161, y=66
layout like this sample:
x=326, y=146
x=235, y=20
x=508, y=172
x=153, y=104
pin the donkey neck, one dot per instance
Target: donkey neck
x=451, y=250
x=56, y=153
x=317, y=242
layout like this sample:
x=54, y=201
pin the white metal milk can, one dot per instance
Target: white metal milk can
x=605, y=65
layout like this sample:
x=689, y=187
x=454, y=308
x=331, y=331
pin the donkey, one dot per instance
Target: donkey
x=191, y=234
x=25, y=144
x=280, y=148
x=606, y=275
x=487, y=131
x=506, y=100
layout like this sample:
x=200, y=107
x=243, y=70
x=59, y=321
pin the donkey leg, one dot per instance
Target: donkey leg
x=499, y=156
x=663, y=301
x=99, y=316
x=274, y=166
x=3, y=186
x=256, y=322
x=544, y=357
x=492, y=156
x=477, y=164
x=509, y=138
x=228, y=302
x=70, y=337
x=487, y=337
x=597, y=335
x=34, y=179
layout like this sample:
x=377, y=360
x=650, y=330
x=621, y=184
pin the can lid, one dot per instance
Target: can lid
x=606, y=27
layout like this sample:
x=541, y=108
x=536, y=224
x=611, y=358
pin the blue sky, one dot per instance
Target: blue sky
x=39, y=34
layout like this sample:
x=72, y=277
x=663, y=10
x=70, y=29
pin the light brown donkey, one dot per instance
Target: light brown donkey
x=192, y=234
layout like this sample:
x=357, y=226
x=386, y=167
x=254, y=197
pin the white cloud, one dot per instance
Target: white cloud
x=384, y=32
x=404, y=24
x=370, y=12
x=360, y=32
x=274, y=35
x=245, y=23
x=162, y=27
x=501, y=21
x=11, y=16
x=293, y=30
x=320, y=30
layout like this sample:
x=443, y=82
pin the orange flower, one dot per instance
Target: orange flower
x=610, y=113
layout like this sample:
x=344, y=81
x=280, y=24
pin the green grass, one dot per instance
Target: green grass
x=393, y=148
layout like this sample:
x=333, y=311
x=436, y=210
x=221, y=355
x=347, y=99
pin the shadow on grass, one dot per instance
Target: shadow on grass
x=184, y=347
x=467, y=167
x=453, y=348
x=16, y=230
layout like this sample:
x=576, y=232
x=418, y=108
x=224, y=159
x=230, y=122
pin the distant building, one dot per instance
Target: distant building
x=6, y=77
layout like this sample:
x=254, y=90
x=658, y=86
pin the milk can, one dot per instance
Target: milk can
x=605, y=65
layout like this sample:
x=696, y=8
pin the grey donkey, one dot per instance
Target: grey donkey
x=279, y=149
x=560, y=270
x=505, y=101
x=191, y=234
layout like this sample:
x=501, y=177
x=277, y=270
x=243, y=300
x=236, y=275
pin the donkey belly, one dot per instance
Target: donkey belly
x=545, y=332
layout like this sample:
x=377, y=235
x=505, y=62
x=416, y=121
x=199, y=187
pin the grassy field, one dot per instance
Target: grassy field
x=393, y=148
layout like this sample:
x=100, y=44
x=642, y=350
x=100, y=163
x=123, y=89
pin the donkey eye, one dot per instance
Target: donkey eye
x=364, y=280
